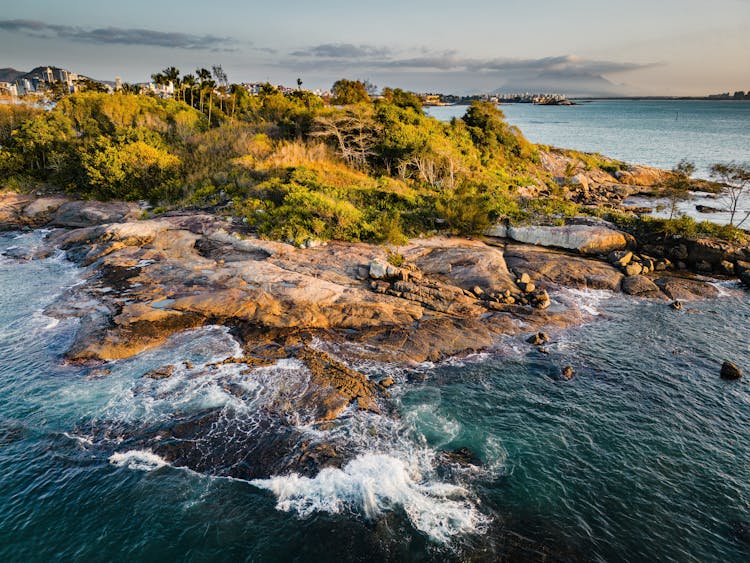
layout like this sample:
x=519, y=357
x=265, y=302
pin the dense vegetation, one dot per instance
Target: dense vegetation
x=289, y=164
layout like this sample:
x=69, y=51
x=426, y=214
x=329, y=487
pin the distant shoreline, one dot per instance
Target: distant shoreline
x=656, y=98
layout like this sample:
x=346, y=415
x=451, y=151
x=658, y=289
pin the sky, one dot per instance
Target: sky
x=577, y=47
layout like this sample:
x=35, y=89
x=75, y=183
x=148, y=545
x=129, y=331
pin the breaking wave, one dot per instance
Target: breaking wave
x=374, y=483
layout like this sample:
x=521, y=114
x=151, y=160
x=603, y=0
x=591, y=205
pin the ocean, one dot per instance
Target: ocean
x=642, y=456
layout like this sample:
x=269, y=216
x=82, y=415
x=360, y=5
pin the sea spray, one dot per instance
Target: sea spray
x=142, y=460
x=373, y=483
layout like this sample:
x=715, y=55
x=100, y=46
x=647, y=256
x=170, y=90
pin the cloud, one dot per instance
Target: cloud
x=343, y=51
x=120, y=36
x=569, y=72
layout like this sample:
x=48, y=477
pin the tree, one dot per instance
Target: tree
x=354, y=132
x=346, y=92
x=678, y=184
x=402, y=99
x=204, y=77
x=299, y=84
x=172, y=74
x=735, y=177
x=188, y=84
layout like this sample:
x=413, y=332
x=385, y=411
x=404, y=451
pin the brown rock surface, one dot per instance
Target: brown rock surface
x=640, y=286
x=685, y=289
x=562, y=269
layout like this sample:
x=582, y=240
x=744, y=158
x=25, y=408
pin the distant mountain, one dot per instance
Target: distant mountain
x=10, y=74
x=583, y=84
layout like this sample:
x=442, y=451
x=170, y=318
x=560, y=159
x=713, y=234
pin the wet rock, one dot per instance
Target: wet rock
x=387, y=382
x=461, y=456
x=676, y=305
x=640, y=286
x=567, y=373
x=541, y=299
x=730, y=371
x=538, y=338
x=337, y=385
x=741, y=530
x=161, y=373
x=684, y=289
x=707, y=209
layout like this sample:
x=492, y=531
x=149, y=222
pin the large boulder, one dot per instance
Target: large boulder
x=586, y=239
x=39, y=211
x=647, y=176
x=464, y=263
x=90, y=213
x=11, y=207
x=686, y=289
x=639, y=285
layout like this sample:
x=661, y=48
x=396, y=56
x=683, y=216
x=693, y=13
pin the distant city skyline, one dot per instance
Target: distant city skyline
x=580, y=48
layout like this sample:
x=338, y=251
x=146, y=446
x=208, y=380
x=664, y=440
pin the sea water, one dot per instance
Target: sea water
x=643, y=455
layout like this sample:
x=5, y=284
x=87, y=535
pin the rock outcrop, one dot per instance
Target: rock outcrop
x=585, y=239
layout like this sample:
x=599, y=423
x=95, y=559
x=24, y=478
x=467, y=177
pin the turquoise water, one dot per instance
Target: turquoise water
x=643, y=456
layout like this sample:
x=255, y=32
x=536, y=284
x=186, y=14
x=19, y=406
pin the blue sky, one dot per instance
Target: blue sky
x=687, y=47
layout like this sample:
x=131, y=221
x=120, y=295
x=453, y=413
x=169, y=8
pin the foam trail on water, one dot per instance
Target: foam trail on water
x=142, y=460
x=373, y=483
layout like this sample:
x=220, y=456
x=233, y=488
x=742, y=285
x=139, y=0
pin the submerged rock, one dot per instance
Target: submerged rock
x=729, y=370
x=461, y=456
x=160, y=373
x=538, y=338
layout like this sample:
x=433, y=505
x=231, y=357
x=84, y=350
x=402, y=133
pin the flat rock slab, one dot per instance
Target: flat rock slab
x=90, y=213
x=585, y=239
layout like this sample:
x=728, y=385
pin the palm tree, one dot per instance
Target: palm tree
x=172, y=74
x=188, y=82
x=204, y=75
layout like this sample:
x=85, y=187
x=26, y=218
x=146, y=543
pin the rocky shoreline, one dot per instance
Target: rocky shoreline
x=328, y=308
x=149, y=279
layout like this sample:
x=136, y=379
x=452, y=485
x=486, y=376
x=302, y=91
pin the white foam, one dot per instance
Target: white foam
x=588, y=301
x=141, y=460
x=374, y=483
